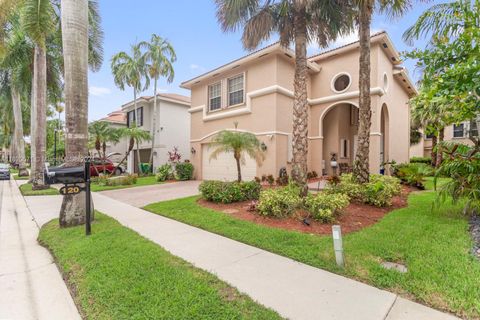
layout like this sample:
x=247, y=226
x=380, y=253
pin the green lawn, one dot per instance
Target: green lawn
x=434, y=244
x=117, y=274
x=26, y=190
x=141, y=181
x=16, y=177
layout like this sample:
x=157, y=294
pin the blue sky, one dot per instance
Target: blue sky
x=192, y=28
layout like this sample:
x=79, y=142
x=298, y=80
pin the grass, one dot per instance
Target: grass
x=26, y=190
x=141, y=181
x=434, y=244
x=17, y=177
x=117, y=274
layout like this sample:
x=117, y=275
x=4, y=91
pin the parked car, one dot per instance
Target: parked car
x=4, y=171
x=98, y=165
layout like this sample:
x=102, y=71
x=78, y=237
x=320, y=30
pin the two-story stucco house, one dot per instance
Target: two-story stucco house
x=456, y=133
x=256, y=93
x=172, y=128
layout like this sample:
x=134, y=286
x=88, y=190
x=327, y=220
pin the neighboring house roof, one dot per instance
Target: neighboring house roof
x=171, y=97
x=117, y=116
x=381, y=37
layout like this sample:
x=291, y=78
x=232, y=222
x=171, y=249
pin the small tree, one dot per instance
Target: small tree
x=238, y=143
x=135, y=135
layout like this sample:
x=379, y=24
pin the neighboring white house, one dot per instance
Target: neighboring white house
x=116, y=119
x=172, y=128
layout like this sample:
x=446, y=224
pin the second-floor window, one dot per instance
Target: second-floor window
x=235, y=90
x=131, y=118
x=215, y=96
x=459, y=130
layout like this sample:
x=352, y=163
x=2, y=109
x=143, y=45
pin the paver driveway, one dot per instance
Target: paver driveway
x=141, y=196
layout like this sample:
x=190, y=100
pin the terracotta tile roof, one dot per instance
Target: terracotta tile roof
x=174, y=96
x=117, y=116
x=345, y=45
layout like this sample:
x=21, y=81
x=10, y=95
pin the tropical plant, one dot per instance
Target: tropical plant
x=449, y=91
x=239, y=144
x=297, y=22
x=160, y=56
x=131, y=71
x=228, y=192
x=280, y=202
x=101, y=133
x=413, y=174
x=165, y=172
x=365, y=10
x=462, y=166
x=325, y=207
x=184, y=171
x=134, y=135
x=15, y=73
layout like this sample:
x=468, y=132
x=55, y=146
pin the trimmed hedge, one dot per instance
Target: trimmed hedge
x=228, y=192
x=426, y=160
x=184, y=171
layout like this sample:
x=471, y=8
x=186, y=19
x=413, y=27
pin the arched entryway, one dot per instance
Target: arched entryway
x=339, y=129
x=384, y=141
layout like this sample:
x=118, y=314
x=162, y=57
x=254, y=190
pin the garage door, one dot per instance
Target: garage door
x=224, y=166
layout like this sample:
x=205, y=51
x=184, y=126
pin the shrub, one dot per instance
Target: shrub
x=282, y=180
x=324, y=207
x=379, y=191
x=280, y=202
x=184, y=171
x=165, y=172
x=121, y=180
x=312, y=175
x=426, y=160
x=228, y=192
x=413, y=174
x=270, y=179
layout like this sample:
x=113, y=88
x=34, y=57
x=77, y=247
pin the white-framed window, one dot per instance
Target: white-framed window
x=215, y=96
x=459, y=130
x=341, y=82
x=344, y=147
x=235, y=87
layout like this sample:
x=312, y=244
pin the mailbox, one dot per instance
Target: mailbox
x=64, y=175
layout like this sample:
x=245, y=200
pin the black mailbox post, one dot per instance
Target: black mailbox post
x=70, y=177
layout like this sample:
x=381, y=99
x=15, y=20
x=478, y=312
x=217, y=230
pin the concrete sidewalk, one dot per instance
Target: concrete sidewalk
x=31, y=287
x=295, y=290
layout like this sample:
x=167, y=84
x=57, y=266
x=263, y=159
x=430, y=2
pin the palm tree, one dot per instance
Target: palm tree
x=131, y=71
x=74, y=20
x=443, y=20
x=160, y=56
x=296, y=22
x=240, y=144
x=102, y=133
x=38, y=22
x=15, y=70
x=365, y=8
x=134, y=135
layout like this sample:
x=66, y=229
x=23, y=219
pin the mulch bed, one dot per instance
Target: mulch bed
x=355, y=217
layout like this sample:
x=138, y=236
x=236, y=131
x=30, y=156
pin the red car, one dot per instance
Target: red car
x=99, y=165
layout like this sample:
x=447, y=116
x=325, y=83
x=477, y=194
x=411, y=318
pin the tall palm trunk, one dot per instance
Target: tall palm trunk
x=40, y=91
x=441, y=137
x=154, y=125
x=74, y=17
x=239, y=168
x=433, y=153
x=18, y=133
x=361, y=169
x=300, y=103
x=139, y=165
x=33, y=130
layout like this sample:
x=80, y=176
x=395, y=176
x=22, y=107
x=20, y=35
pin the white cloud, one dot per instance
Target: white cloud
x=98, y=91
x=196, y=67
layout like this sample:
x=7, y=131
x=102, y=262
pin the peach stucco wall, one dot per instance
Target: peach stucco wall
x=271, y=113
